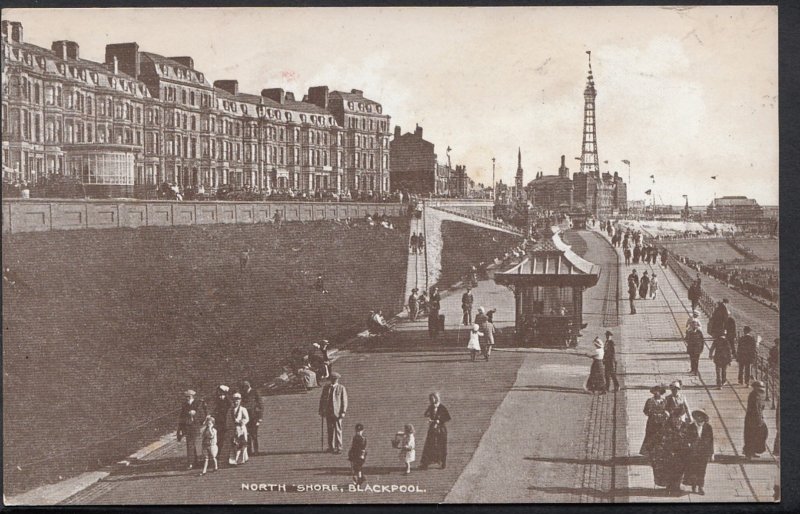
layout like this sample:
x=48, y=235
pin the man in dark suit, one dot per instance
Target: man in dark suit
x=434, y=303
x=746, y=356
x=333, y=407
x=466, y=306
x=251, y=401
x=610, y=362
x=190, y=421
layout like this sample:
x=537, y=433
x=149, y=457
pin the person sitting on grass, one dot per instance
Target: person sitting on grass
x=376, y=324
x=307, y=377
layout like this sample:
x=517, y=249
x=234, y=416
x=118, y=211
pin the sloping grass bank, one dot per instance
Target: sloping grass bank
x=109, y=326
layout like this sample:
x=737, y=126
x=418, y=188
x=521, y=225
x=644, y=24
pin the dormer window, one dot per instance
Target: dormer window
x=350, y=105
x=303, y=118
x=378, y=108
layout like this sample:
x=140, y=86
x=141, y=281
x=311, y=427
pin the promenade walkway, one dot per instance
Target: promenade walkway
x=652, y=351
x=523, y=429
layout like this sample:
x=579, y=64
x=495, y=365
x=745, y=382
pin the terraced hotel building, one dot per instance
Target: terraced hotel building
x=139, y=119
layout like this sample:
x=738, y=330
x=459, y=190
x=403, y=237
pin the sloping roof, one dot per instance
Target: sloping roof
x=552, y=262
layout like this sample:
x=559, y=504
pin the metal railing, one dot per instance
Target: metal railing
x=762, y=369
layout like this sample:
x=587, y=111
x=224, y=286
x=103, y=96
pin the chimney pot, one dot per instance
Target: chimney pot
x=16, y=31
x=116, y=65
x=396, y=131
x=231, y=86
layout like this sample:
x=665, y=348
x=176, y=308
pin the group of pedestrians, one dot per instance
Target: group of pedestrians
x=482, y=335
x=644, y=288
x=416, y=244
x=678, y=441
x=226, y=430
x=434, y=451
x=603, y=371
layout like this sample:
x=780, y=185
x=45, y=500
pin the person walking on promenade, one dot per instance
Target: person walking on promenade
x=755, y=428
x=627, y=253
x=474, y=345
x=635, y=277
x=413, y=244
x=700, y=443
x=210, y=448
x=694, y=347
x=251, y=401
x=435, y=449
x=664, y=257
x=489, y=332
x=653, y=287
x=333, y=407
x=596, y=382
x=746, y=352
x=637, y=252
x=656, y=412
x=632, y=294
x=669, y=456
x=675, y=403
x=467, y=299
x=190, y=420
x=694, y=294
x=358, y=454
x=434, y=303
x=716, y=325
x=644, y=286
x=408, y=453
x=421, y=243
x=610, y=362
x=693, y=317
x=720, y=353
x=730, y=335
x=219, y=410
x=238, y=418
x=413, y=305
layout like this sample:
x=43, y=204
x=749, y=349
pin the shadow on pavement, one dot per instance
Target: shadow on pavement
x=608, y=495
x=549, y=389
x=347, y=471
x=630, y=460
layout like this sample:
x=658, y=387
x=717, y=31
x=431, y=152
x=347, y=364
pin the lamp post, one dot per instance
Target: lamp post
x=494, y=184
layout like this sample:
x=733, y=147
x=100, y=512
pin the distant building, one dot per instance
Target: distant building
x=552, y=192
x=414, y=166
x=734, y=209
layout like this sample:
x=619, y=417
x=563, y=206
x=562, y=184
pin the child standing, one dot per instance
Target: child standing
x=474, y=345
x=407, y=448
x=358, y=454
x=209, y=438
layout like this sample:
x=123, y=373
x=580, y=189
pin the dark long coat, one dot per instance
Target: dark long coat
x=435, y=449
x=700, y=450
x=755, y=428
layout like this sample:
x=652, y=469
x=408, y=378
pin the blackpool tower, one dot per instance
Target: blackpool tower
x=589, y=162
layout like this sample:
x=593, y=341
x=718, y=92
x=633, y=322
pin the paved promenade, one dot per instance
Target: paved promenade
x=523, y=429
x=652, y=351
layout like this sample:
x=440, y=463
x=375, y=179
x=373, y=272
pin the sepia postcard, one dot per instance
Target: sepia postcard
x=390, y=255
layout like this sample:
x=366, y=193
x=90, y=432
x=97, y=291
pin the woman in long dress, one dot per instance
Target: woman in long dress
x=700, y=442
x=435, y=449
x=669, y=456
x=675, y=403
x=755, y=428
x=656, y=412
x=596, y=383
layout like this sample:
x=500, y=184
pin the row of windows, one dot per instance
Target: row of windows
x=364, y=124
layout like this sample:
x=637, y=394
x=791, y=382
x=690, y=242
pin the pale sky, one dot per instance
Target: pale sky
x=683, y=93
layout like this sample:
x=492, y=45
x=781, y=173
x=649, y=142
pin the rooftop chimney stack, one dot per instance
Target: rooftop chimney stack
x=396, y=131
x=16, y=32
x=184, y=60
x=231, y=86
x=128, y=58
x=116, y=65
x=318, y=96
x=418, y=131
x=6, y=29
x=275, y=94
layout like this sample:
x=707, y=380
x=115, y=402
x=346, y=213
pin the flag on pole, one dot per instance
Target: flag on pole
x=626, y=161
x=714, y=177
x=605, y=162
x=649, y=191
x=653, y=177
x=685, y=196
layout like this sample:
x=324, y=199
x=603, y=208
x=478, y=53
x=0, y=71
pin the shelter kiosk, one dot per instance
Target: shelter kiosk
x=548, y=288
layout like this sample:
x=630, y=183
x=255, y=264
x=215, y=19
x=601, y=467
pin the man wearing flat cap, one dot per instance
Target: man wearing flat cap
x=610, y=362
x=333, y=407
x=746, y=355
x=190, y=421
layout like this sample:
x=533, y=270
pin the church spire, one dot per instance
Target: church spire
x=519, y=181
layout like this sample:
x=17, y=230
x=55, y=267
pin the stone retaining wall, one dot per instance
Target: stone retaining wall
x=32, y=215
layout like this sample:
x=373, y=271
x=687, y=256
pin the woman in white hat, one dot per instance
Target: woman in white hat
x=675, y=403
x=474, y=345
x=755, y=428
x=596, y=383
x=700, y=440
x=238, y=418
